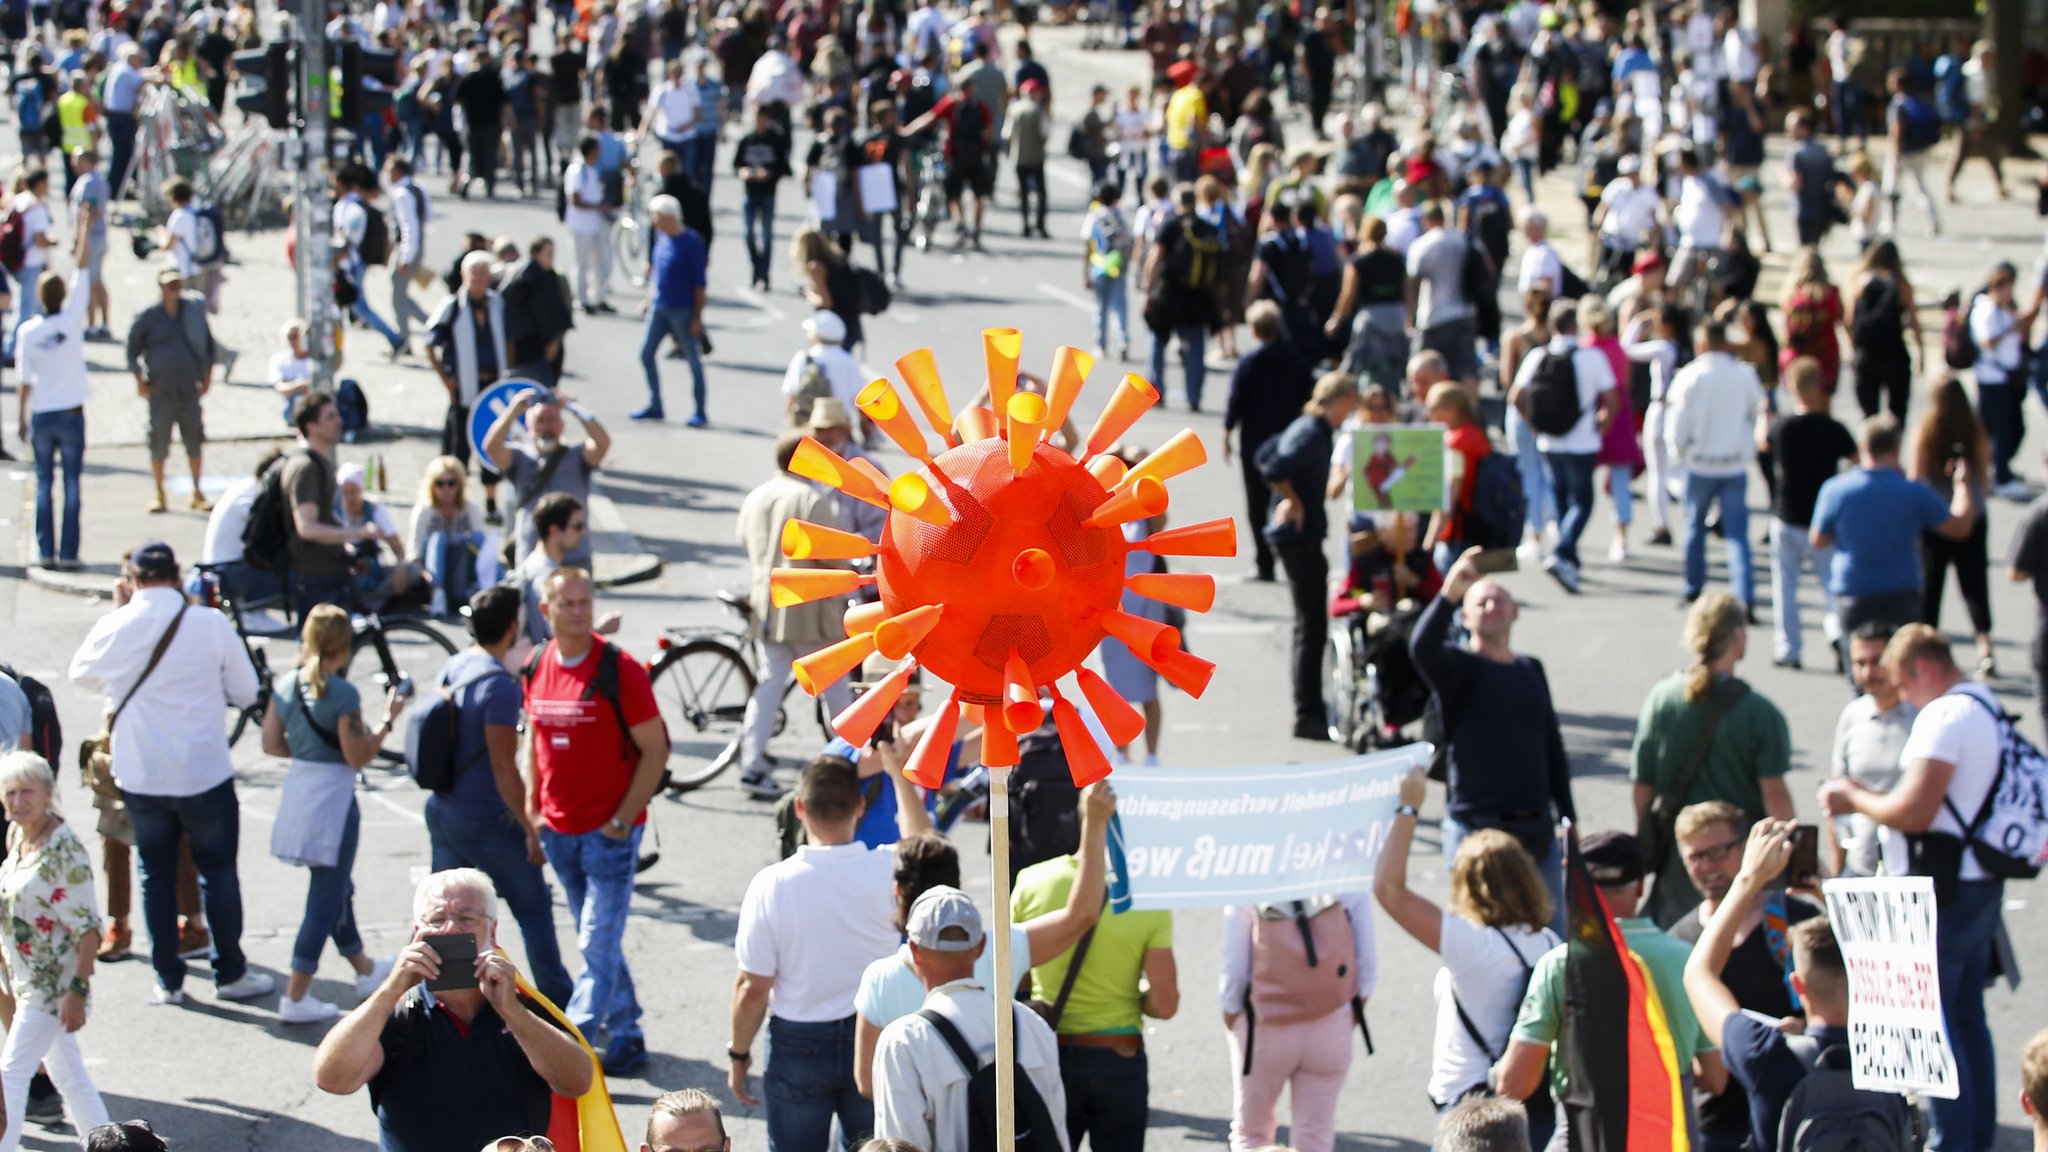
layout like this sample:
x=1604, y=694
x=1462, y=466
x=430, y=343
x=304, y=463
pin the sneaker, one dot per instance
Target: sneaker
x=194, y=941
x=117, y=944
x=697, y=421
x=1618, y=552
x=1151, y=760
x=157, y=504
x=45, y=1105
x=1987, y=668
x=623, y=1055
x=651, y=412
x=366, y=984
x=249, y=987
x=1312, y=730
x=1564, y=572
x=309, y=1009
x=200, y=503
x=160, y=996
x=762, y=787
x=1530, y=552
x=1661, y=537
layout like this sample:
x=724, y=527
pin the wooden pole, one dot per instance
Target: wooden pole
x=1005, y=990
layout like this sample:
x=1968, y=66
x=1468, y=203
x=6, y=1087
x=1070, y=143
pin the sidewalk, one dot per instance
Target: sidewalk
x=243, y=420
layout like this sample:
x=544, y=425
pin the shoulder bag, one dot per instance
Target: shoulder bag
x=1655, y=832
x=96, y=754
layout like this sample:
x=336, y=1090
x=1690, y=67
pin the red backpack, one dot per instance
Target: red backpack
x=13, y=239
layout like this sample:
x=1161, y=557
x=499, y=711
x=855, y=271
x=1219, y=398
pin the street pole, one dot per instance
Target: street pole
x=1005, y=980
x=312, y=207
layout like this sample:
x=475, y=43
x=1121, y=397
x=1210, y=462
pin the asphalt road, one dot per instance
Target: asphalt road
x=221, y=1076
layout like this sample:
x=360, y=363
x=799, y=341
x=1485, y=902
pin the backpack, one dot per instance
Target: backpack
x=354, y=408
x=2009, y=834
x=812, y=386
x=1035, y=1130
x=1112, y=241
x=1194, y=260
x=13, y=239
x=29, y=102
x=1045, y=821
x=1958, y=346
x=1919, y=127
x=1291, y=278
x=1489, y=223
x=211, y=228
x=604, y=685
x=267, y=536
x=1877, y=322
x=1498, y=504
x=46, y=731
x=1828, y=1113
x=968, y=120
x=376, y=245
x=871, y=291
x=1554, y=407
x=433, y=732
x=1304, y=967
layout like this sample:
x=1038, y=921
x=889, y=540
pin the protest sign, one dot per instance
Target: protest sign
x=1399, y=468
x=1896, y=1039
x=1205, y=838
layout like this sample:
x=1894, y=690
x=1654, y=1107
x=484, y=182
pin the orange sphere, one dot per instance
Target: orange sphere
x=1017, y=568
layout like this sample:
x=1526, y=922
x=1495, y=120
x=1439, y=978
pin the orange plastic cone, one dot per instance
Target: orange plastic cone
x=825, y=666
x=789, y=587
x=1179, y=454
x=1000, y=348
x=1021, y=713
x=977, y=424
x=856, y=723
x=998, y=745
x=1026, y=411
x=803, y=540
x=1139, y=501
x=1126, y=404
x=814, y=461
x=913, y=494
x=1123, y=722
x=921, y=375
x=1070, y=368
x=927, y=765
x=862, y=618
x=898, y=635
x=1185, y=670
x=1143, y=637
x=1107, y=470
x=1192, y=591
x=879, y=402
x=1084, y=756
x=1209, y=538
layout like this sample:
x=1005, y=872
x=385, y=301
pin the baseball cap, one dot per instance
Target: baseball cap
x=826, y=326
x=169, y=274
x=154, y=560
x=1182, y=72
x=944, y=920
x=1613, y=858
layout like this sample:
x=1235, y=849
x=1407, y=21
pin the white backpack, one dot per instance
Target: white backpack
x=2009, y=834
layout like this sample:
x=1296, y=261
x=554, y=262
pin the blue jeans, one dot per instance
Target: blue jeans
x=697, y=155
x=1194, y=346
x=1792, y=550
x=1731, y=493
x=1542, y=502
x=354, y=270
x=212, y=821
x=808, y=1081
x=331, y=903
x=497, y=847
x=1571, y=476
x=596, y=872
x=1106, y=1097
x=1550, y=864
x=1111, y=299
x=54, y=434
x=757, y=217
x=671, y=322
x=1962, y=944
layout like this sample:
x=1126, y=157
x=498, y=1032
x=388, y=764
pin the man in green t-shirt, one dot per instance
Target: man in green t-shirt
x=1615, y=860
x=1127, y=974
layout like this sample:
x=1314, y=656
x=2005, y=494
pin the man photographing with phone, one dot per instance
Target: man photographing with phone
x=465, y=1063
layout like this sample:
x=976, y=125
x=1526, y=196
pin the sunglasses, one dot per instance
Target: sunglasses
x=447, y=482
x=524, y=1144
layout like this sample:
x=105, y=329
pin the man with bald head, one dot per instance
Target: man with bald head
x=1507, y=767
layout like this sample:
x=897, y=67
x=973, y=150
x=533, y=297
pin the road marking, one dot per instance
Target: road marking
x=761, y=301
x=1068, y=297
x=1062, y=174
x=393, y=805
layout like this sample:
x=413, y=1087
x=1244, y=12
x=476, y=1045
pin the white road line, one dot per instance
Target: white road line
x=1068, y=297
x=1061, y=174
x=758, y=300
x=393, y=805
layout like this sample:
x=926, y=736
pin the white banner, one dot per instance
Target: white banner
x=1886, y=931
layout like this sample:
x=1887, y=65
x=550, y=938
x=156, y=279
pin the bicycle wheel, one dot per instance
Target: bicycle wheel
x=398, y=650
x=629, y=244
x=702, y=689
x=1341, y=677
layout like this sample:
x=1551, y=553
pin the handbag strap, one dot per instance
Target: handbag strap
x=297, y=696
x=1724, y=703
x=156, y=656
x=1059, y=1002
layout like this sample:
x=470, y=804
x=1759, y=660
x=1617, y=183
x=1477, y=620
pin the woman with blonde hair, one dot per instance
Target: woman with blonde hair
x=449, y=537
x=315, y=720
x=1813, y=312
x=1257, y=173
x=1704, y=735
x=1497, y=925
x=1233, y=231
x=1948, y=431
x=827, y=279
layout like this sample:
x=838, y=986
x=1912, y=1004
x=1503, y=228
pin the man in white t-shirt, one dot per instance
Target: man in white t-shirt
x=37, y=238
x=50, y=352
x=677, y=106
x=1951, y=762
x=584, y=212
x=1570, y=456
x=1701, y=216
x=1627, y=213
x=1540, y=262
x=833, y=889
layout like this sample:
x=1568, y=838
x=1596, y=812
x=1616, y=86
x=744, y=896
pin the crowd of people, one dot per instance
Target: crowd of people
x=1361, y=264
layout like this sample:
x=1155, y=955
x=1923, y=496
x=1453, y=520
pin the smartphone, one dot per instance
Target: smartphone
x=405, y=687
x=457, y=951
x=1804, y=867
x=886, y=734
x=1497, y=560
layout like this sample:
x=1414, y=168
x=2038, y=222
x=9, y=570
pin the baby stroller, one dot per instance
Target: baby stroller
x=1373, y=690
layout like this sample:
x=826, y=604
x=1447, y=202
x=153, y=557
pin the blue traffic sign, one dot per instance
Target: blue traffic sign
x=490, y=405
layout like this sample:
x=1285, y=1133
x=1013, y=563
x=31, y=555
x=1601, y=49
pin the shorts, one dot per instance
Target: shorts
x=95, y=254
x=1457, y=341
x=983, y=182
x=180, y=409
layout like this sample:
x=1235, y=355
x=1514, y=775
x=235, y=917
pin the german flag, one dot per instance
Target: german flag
x=1623, y=1092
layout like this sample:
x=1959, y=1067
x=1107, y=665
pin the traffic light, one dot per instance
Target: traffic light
x=368, y=77
x=266, y=83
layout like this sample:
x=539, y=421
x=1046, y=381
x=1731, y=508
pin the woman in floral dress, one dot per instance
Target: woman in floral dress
x=46, y=900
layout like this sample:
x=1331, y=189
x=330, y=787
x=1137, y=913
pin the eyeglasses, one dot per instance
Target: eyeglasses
x=1711, y=855
x=447, y=482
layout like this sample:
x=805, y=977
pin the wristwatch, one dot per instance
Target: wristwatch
x=1407, y=810
x=739, y=1057
x=618, y=825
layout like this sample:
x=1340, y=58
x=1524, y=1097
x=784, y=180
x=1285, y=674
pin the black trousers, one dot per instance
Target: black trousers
x=1258, y=499
x=1884, y=380
x=1308, y=571
x=1030, y=186
x=483, y=158
x=1972, y=559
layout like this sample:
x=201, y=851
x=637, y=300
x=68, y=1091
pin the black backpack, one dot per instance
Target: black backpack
x=1196, y=257
x=603, y=686
x=267, y=537
x=1035, y=1122
x=1498, y=504
x=434, y=731
x=1046, y=824
x=46, y=731
x=1554, y=407
x=376, y=245
x=1877, y=322
x=1489, y=224
x=1828, y=1113
x=1290, y=275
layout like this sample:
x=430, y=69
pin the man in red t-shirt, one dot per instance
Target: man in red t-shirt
x=970, y=136
x=599, y=748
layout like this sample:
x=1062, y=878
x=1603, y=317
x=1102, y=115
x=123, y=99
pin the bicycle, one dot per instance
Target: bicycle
x=408, y=652
x=630, y=228
x=703, y=679
x=928, y=211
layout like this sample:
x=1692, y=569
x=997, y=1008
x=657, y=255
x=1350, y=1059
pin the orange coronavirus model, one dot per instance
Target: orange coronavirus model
x=1001, y=566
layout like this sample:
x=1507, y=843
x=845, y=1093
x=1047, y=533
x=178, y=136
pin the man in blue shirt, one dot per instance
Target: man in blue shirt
x=1873, y=518
x=676, y=307
x=902, y=729
x=481, y=820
